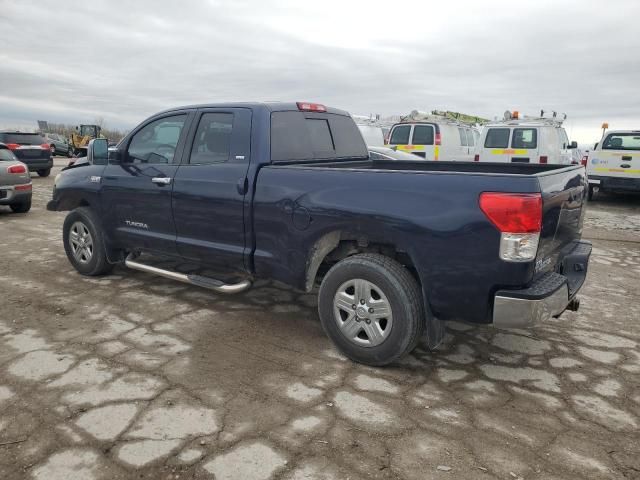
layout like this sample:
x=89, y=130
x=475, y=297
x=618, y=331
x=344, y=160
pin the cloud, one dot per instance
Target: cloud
x=126, y=60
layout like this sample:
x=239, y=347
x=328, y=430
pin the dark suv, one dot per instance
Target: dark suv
x=31, y=149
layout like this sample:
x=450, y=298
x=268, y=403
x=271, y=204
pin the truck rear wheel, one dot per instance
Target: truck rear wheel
x=371, y=308
x=83, y=243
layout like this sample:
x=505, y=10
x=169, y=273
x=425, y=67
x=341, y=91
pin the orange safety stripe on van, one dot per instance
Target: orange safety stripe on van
x=409, y=148
x=617, y=170
x=509, y=151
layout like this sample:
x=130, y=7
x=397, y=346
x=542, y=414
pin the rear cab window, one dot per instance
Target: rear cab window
x=497, y=138
x=622, y=141
x=400, y=135
x=314, y=136
x=525, y=138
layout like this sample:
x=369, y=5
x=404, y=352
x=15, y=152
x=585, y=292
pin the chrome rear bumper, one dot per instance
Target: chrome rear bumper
x=548, y=296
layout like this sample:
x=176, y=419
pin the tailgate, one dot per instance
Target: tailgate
x=563, y=201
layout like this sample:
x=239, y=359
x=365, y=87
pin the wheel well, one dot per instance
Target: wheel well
x=337, y=246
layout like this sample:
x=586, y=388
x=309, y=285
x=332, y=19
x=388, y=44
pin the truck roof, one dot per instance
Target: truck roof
x=271, y=106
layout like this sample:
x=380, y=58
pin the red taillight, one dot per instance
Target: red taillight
x=16, y=169
x=311, y=107
x=45, y=146
x=438, y=139
x=513, y=212
x=23, y=187
x=543, y=159
x=584, y=160
x=13, y=146
x=476, y=157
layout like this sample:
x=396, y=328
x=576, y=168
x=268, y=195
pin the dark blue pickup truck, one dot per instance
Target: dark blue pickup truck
x=287, y=191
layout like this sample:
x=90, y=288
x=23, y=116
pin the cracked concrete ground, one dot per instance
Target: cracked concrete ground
x=135, y=376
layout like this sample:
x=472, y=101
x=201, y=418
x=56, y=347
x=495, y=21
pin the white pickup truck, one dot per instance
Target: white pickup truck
x=614, y=164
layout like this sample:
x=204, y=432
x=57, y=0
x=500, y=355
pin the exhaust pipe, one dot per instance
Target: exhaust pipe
x=574, y=304
x=198, y=280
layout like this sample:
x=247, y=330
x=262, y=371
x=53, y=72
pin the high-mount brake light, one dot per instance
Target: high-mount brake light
x=311, y=107
x=16, y=169
x=518, y=217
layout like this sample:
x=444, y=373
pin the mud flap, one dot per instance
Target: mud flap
x=434, y=331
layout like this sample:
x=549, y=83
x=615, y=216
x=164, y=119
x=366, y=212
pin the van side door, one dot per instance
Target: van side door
x=210, y=189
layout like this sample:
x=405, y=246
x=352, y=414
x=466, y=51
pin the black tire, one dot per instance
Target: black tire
x=44, y=172
x=590, y=193
x=404, y=297
x=22, y=207
x=97, y=263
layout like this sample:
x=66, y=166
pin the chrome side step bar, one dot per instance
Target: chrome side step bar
x=198, y=280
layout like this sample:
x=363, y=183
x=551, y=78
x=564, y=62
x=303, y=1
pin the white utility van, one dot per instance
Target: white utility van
x=435, y=138
x=526, y=140
x=614, y=163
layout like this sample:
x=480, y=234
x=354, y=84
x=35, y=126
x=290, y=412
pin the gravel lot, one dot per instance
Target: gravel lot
x=134, y=376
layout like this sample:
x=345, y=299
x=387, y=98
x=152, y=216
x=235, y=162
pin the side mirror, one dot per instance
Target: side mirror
x=98, y=151
x=573, y=144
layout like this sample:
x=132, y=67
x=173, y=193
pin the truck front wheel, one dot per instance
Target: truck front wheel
x=83, y=243
x=371, y=308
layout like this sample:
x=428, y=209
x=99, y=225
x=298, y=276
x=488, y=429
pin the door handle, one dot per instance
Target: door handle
x=161, y=180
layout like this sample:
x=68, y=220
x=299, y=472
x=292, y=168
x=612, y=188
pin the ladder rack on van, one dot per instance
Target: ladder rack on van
x=514, y=118
x=451, y=118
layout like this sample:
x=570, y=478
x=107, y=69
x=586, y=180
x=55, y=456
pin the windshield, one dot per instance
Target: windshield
x=7, y=155
x=88, y=130
x=622, y=141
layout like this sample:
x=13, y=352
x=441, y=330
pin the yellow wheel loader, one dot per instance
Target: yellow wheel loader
x=82, y=136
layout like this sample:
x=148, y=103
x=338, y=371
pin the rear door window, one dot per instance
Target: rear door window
x=622, y=141
x=422, y=135
x=526, y=138
x=400, y=135
x=497, y=138
x=24, y=138
x=212, y=142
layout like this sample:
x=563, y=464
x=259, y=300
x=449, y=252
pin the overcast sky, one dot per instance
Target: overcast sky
x=67, y=61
